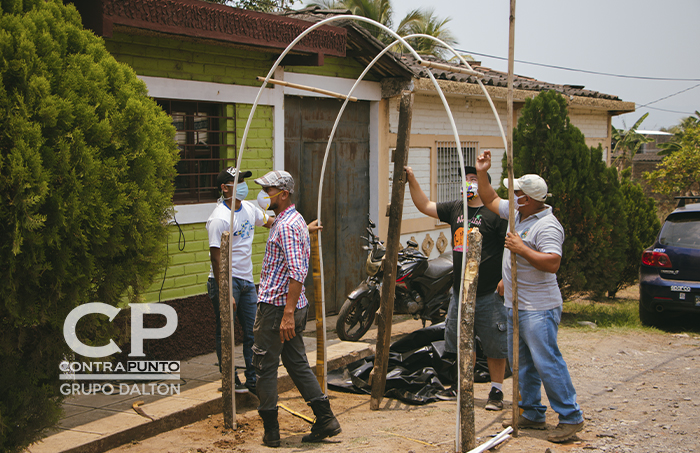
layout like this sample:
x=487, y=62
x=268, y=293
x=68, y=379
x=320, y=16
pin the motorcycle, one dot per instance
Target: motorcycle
x=422, y=288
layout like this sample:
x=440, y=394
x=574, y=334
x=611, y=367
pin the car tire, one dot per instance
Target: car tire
x=649, y=318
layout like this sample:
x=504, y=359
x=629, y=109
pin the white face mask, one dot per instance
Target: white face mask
x=263, y=200
x=519, y=205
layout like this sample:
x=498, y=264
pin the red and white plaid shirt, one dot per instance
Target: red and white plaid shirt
x=286, y=256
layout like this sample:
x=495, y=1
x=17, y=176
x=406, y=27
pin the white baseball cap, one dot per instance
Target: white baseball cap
x=531, y=185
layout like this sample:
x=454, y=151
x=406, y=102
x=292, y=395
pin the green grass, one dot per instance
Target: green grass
x=621, y=313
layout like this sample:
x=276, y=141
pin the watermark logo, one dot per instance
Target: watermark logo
x=136, y=370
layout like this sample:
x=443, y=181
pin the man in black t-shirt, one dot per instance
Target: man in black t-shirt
x=490, y=321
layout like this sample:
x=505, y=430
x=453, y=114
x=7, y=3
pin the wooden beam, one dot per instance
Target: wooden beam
x=451, y=68
x=466, y=341
x=321, y=366
x=386, y=304
x=511, y=221
x=307, y=88
x=228, y=368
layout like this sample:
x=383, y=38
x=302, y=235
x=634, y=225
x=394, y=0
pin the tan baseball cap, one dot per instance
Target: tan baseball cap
x=532, y=185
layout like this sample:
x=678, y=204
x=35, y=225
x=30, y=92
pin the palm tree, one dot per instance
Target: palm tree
x=417, y=21
x=424, y=21
x=377, y=10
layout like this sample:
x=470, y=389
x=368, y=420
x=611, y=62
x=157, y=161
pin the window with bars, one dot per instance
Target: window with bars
x=448, y=173
x=206, y=137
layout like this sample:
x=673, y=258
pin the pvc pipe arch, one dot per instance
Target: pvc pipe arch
x=401, y=40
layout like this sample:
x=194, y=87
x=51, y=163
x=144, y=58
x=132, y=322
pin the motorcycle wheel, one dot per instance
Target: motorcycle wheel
x=356, y=317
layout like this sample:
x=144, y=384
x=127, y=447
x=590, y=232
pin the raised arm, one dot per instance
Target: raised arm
x=488, y=196
x=420, y=199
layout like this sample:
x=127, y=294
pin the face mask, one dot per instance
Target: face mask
x=517, y=201
x=472, y=190
x=264, y=200
x=241, y=191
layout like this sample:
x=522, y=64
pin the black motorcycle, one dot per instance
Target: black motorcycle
x=422, y=288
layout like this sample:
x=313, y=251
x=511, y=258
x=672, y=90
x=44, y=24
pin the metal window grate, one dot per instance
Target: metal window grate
x=206, y=137
x=448, y=174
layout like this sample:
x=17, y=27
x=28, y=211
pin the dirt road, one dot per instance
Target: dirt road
x=638, y=392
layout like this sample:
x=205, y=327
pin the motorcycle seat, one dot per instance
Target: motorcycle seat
x=440, y=266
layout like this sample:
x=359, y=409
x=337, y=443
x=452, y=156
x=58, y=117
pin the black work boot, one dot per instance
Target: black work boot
x=326, y=425
x=271, y=438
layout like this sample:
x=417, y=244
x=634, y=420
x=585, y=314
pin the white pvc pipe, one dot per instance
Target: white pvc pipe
x=502, y=436
x=325, y=159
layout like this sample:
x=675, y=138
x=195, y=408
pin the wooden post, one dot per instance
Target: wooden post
x=228, y=370
x=386, y=304
x=321, y=370
x=466, y=341
x=511, y=221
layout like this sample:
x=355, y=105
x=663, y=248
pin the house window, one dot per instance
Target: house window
x=206, y=137
x=448, y=173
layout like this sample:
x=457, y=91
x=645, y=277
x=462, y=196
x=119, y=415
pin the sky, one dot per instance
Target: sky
x=640, y=38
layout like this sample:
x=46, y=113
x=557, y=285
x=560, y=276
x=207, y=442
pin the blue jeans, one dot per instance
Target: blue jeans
x=541, y=362
x=246, y=298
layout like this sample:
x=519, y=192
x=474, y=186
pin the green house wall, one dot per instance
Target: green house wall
x=188, y=270
x=155, y=56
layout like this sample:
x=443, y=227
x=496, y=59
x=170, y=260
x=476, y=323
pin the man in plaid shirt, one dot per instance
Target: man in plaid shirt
x=282, y=311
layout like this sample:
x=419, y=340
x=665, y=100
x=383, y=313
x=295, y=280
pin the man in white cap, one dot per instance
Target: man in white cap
x=538, y=248
x=282, y=312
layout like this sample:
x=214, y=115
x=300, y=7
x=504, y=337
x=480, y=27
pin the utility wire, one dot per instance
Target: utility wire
x=582, y=70
x=670, y=95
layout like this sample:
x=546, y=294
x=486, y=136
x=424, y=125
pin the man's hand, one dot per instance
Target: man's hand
x=500, y=289
x=287, y=331
x=409, y=174
x=515, y=244
x=483, y=162
x=314, y=226
x=233, y=305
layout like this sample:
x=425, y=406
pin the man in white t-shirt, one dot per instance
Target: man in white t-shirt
x=245, y=297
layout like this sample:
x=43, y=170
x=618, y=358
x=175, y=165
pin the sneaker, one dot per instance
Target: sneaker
x=564, y=432
x=240, y=388
x=524, y=423
x=495, y=402
x=449, y=394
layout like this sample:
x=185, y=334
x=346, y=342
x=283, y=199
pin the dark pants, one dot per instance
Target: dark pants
x=246, y=299
x=267, y=351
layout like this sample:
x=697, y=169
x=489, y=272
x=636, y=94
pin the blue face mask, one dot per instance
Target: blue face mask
x=241, y=191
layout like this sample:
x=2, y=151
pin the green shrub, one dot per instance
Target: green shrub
x=86, y=169
x=642, y=227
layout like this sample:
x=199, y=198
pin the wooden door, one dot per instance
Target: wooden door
x=345, y=204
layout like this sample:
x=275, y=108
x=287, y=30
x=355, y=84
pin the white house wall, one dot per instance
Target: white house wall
x=430, y=118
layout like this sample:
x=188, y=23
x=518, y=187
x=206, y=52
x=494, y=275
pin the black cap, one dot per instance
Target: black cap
x=469, y=169
x=229, y=174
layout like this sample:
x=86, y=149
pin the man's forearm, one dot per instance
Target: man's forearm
x=293, y=295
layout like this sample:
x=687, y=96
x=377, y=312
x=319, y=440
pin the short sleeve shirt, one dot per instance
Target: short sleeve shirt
x=245, y=221
x=537, y=290
x=493, y=231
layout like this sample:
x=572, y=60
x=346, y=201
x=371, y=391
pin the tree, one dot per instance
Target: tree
x=424, y=21
x=626, y=144
x=642, y=227
x=419, y=20
x=263, y=6
x=586, y=193
x=679, y=172
x=86, y=169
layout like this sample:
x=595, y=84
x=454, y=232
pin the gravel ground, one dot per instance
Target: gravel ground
x=637, y=390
